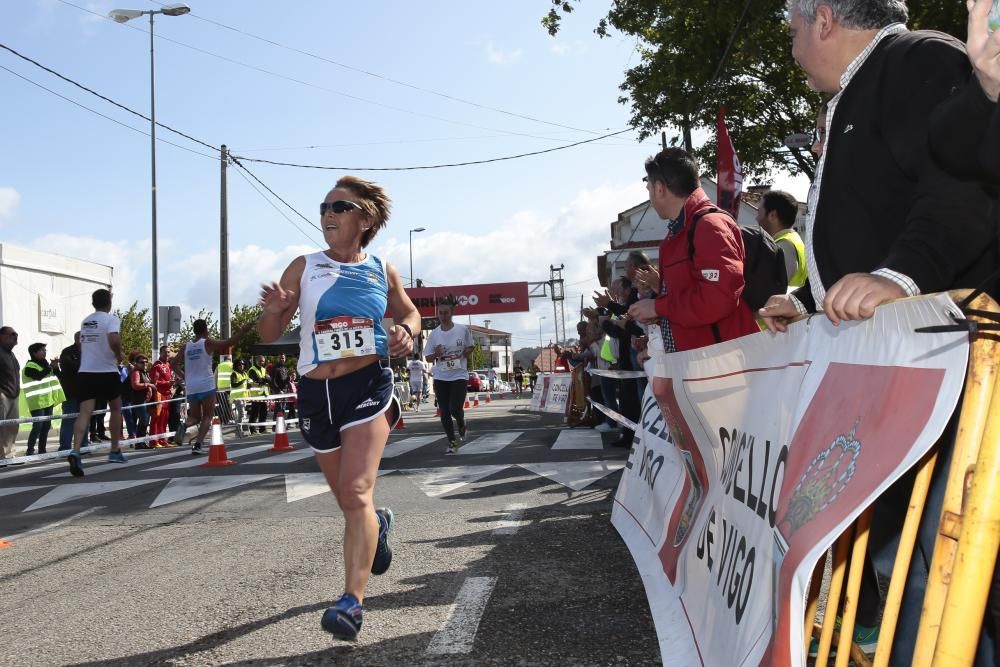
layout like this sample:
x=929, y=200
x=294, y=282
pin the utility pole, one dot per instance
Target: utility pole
x=224, y=248
x=663, y=139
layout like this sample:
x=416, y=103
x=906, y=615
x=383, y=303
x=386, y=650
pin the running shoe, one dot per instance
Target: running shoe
x=452, y=447
x=383, y=552
x=462, y=431
x=75, y=465
x=197, y=449
x=343, y=620
x=116, y=457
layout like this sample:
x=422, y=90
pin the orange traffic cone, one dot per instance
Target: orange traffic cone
x=467, y=406
x=488, y=399
x=437, y=413
x=281, y=435
x=5, y=544
x=217, y=450
x=400, y=425
x=475, y=403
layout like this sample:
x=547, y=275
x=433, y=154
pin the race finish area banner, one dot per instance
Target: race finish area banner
x=551, y=392
x=754, y=455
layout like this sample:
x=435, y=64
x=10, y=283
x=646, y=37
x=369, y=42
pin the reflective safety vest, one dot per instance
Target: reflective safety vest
x=222, y=374
x=44, y=393
x=792, y=236
x=606, y=353
x=240, y=385
x=256, y=374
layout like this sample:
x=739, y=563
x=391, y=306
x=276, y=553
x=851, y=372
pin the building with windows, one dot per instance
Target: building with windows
x=640, y=228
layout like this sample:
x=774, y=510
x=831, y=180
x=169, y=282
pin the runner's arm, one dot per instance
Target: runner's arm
x=403, y=312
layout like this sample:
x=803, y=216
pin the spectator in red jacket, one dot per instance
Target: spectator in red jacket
x=699, y=302
x=162, y=376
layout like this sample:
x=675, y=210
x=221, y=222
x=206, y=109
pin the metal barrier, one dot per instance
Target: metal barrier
x=239, y=415
x=968, y=536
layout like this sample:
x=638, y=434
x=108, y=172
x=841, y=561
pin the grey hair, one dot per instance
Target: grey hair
x=855, y=14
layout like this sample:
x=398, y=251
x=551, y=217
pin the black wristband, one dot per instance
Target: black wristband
x=406, y=326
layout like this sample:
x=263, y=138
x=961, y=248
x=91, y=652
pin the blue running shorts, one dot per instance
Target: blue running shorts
x=328, y=407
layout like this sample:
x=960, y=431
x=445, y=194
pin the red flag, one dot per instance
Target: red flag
x=730, y=171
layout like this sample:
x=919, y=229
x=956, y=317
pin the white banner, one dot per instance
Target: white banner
x=755, y=454
x=50, y=316
x=551, y=392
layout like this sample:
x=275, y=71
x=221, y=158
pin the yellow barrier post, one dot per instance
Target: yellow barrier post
x=907, y=540
x=860, y=546
x=980, y=383
x=978, y=540
x=840, y=550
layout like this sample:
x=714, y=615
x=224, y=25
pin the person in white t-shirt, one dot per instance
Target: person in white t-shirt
x=99, y=379
x=417, y=371
x=448, y=348
x=491, y=376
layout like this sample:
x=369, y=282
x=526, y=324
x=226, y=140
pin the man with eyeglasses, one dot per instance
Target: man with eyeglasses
x=10, y=389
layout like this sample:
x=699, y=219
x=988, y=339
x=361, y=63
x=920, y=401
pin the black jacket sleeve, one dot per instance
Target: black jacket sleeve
x=36, y=374
x=965, y=134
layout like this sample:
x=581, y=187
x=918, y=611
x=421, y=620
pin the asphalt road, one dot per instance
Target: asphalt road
x=504, y=555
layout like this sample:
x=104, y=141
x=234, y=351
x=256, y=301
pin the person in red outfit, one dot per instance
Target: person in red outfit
x=699, y=302
x=163, y=378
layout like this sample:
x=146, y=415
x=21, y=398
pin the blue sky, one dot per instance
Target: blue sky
x=76, y=184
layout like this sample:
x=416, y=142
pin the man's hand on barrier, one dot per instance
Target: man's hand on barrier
x=602, y=300
x=643, y=310
x=856, y=295
x=777, y=312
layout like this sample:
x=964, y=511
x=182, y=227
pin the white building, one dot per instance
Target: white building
x=496, y=344
x=640, y=228
x=45, y=296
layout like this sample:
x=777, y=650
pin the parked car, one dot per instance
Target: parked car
x=475, y=383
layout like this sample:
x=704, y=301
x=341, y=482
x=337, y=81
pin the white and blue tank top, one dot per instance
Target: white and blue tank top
x=341, y=307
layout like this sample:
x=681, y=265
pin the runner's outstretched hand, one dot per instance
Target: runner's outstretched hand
x=274, y=299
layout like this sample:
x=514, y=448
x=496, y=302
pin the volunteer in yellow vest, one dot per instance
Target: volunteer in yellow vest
x=42, y=391
x=224, y=373
x=239, y=383
x=257, y=411
x=776, y=215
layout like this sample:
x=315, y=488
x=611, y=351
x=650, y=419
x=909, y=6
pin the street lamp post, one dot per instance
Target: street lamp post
x=121, y=16
x=418, y=229
x=540, y=348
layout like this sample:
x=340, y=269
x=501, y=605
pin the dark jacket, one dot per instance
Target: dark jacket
x=884, y=202
x=704, y=290
x=69, y=368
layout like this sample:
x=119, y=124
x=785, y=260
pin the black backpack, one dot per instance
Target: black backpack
x=764, y=272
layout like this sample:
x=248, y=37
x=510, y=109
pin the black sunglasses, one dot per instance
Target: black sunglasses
x=339, y=206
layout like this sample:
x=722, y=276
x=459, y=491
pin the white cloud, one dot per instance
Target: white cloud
x=575, y=48
x=9, y=201
x=499, y=56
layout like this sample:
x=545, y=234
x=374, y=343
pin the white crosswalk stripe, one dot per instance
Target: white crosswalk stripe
x=198, y=460
x=491, y=443
x=579, y=439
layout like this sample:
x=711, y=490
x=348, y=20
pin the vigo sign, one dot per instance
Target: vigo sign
x=472, y=299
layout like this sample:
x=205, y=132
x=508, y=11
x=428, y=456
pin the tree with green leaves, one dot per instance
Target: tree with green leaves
x=698, y=55
x=136, y=329
x=480, y=357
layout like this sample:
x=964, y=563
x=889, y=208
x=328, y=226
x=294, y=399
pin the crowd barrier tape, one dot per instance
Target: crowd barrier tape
x=752, y=456
x=617, y=375
x=617, y=416
x=271, y=397
x=32, y=420
x=92, y=448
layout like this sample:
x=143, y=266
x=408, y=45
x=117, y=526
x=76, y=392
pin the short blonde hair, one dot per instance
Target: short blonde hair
x=374, y=201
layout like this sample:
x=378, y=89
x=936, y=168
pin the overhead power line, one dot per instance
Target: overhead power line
x=236, y=161
x=243, y=175
x=435, y=166
x=105, y=116
x=106, y=99
x=339, y=93
x=383, y=77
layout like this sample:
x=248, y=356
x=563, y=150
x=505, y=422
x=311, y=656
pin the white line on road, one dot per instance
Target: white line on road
x=511, y=522
x=56, y=524
x=459, y=631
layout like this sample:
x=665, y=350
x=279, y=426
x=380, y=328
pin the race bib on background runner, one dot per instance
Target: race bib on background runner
x=344, y=337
